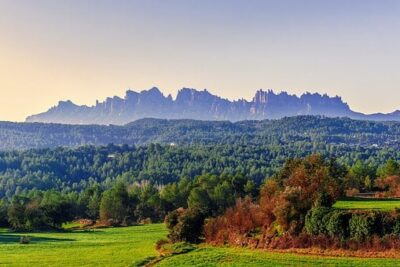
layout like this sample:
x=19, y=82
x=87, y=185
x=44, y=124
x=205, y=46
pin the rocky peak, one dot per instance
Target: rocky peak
x=66, y=104
x=193, y=104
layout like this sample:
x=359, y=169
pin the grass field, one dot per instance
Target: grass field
x=211, y=256
x=365, y=204
x=132, y=245
x=102, y=247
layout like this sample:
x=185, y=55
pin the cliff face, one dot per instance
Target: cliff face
x=201, y=105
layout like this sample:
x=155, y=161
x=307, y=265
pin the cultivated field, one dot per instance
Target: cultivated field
x=131, y=246
x=365, y=204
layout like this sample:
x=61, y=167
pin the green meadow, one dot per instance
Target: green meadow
x=368, y=204
x=240, y=257
x=132, y=246
x=101, y=247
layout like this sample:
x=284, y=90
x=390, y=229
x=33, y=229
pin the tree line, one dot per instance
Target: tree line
x=73, y=170
x=124, y=204
x=309, y=129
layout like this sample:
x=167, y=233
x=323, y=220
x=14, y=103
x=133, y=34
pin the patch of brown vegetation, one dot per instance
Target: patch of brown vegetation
x=86, y=222
x=390, y=186
x=393, y=253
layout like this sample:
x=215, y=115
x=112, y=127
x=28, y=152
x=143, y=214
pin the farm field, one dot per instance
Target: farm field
x=131, y=246
x=365, y=204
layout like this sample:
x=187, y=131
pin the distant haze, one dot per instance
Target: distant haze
x=85, y=50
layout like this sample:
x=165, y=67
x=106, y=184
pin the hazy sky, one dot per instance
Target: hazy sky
x=86, y=50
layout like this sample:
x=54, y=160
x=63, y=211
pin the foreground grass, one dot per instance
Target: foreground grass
x=131, y=246
x=103, y=247
x=212, y=256
x=368, y=204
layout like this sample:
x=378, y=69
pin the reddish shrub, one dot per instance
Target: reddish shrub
x=390, y=184
x=236, y=225
x=352, y=192
x=302, y=241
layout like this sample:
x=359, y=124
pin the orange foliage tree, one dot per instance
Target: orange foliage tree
x=390, y=184
x=284, y=202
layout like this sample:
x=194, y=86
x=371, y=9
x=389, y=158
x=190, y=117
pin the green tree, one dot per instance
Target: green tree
x=56, y=208
x=3, y=213
x=389, y=169
x=16, y=213
x=114, y=205
x=185, y=225
x=200, y=200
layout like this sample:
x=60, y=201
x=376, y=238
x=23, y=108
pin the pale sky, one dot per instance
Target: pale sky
x=86, y=50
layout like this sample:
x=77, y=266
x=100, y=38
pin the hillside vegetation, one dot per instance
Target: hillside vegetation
x=314, y=131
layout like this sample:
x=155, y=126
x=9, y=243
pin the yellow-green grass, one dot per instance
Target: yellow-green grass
x=71, y=225
x=132, y=245
x=102, y=247
x=240, y=257
x=368, y=204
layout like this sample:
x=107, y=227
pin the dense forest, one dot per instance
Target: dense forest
x=309, y=129
x=74, y=170
x=180, y=149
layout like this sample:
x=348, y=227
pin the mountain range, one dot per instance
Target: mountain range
x=202, y=105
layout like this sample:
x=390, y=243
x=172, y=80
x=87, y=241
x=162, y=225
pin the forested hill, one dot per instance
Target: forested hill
x=17, y=136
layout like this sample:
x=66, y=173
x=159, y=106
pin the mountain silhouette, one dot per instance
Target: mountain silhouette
x=202, y=105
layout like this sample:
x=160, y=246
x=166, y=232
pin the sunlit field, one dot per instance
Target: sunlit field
x=212, y=256
x=365, y=204
x=134, y=246
x=103, y=247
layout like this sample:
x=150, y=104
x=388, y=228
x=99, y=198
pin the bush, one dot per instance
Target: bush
x=172, y=218
x=338, y=224
x=160, y=243
x=316, y=220
x=245, y=219
x=25, y=240
x=362, y=225
x=396, y=226
x=324, y=200
x=146, y=221
x=185, y=225
x=385, y=223
x=352, y=192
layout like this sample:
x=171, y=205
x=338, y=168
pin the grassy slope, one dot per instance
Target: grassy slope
x=372, y=204
x=103, y=247
x=211, y=256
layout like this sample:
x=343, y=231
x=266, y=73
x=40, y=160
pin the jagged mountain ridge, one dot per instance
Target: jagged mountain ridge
x=201, y=105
